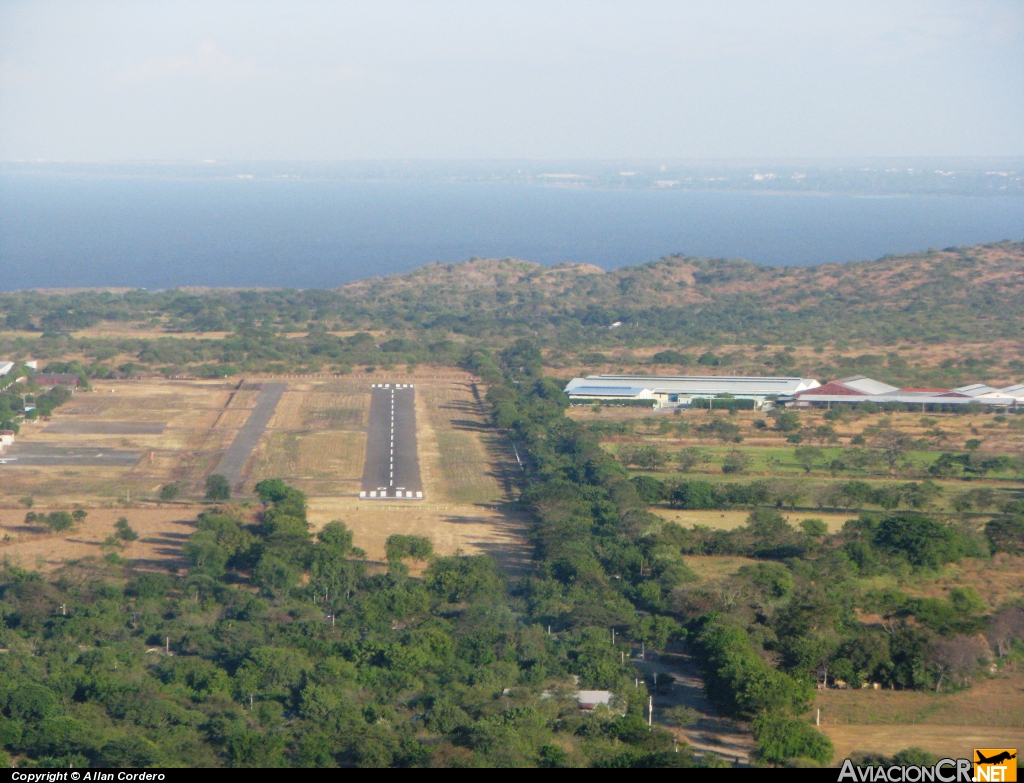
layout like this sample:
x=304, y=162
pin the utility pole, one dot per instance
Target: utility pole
x=817, y=719
x=650, y=711
x=64, y=610
x=167, y=645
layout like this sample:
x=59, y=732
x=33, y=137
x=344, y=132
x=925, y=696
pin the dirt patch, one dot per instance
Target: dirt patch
x=713, y=569
x=943, y=741
x=161, y=534
x=675, y=681
x=472, y=529
x=997, y=702
x=728, y=520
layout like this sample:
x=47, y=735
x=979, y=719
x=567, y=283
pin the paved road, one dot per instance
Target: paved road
x=234, y=459
x=106, y=428
x=45, y=454
x=392, y=468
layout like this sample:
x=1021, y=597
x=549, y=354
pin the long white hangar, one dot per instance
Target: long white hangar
x=683, y=390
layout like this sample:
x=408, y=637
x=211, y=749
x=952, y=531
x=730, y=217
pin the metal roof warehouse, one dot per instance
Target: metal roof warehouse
x=680, y=390
x=858, y=388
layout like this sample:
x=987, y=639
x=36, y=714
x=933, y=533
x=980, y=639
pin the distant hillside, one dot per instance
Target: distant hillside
x=958, y=294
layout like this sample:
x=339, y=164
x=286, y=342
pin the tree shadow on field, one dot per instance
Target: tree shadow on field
x=514, y=554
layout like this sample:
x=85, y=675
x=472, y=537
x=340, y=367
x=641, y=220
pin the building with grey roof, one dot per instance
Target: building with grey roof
x=682, y=390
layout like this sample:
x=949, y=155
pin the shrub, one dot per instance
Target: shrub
x=169, y=491
x=217, y=487
x=671, y=357
x=58, y=521
x=123, y=531
x=399, y=546
x=649, y=489
x=735, y=462
x=780, y=738
x=924, y=542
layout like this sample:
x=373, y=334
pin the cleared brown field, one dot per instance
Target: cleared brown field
x=728, y=520
x=315, y=441
x=459, y=455
x=716, y=568
x=943, y=741
x=473, y=529
x=232, y=418
x=998, y=580
x=187, y=409
x=320, y=409
x=990, y=714
x=161, y=533
x=320, y=462
x=995, y=702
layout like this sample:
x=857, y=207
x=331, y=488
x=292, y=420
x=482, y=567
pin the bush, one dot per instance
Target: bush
x=217, y=487
x=722, y=404
x=169, y=491
x=1006, y=535
x=672, y=357
x=735, y=462
x=787, y=421
x=399, y=546
x=646, y=457
x=780, y=738
x=464, y=578
x=58, y=521
x=924, y=542
x=693, y=495
x=649, y=489
x=123, y=531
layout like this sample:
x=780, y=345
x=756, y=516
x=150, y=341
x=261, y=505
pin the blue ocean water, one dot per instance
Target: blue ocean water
x=159, y=233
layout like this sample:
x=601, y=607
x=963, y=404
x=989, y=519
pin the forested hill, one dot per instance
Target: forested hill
x=982, y=287
x=970, y=293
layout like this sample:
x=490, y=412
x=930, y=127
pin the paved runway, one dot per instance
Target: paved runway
x=106, y=428
x=392, y=468
x=234, y=459
x=46, y=454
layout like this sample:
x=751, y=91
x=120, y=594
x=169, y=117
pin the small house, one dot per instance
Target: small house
x=591, y=700
x=56, y=379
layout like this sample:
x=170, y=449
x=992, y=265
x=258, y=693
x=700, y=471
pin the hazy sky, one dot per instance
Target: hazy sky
x=482, y=79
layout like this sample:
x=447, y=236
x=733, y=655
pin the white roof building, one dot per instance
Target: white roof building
x=590, y=700
x=681, y=389
x=6, y=367
x=861, y=389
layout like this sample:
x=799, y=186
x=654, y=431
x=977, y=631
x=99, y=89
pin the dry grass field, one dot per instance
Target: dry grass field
x=193, y=428
x=988, y=715
x=161, y=532
x=998, y=581
x=943, y=741
x=315, y=441
x=461, y=467
x=713, y=569
x=729, y=519
x=943, y=431
x=473, y=529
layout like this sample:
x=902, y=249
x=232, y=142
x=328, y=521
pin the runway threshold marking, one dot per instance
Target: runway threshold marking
x=396, y=408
